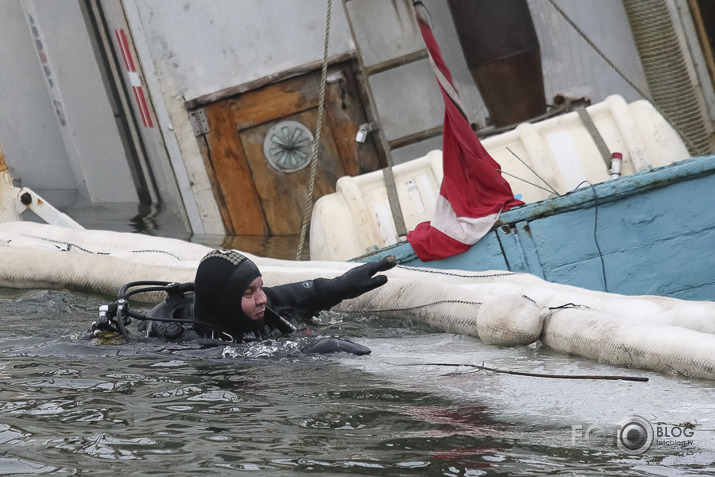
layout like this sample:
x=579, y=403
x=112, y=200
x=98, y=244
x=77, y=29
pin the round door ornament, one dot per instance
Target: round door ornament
x=288, y=146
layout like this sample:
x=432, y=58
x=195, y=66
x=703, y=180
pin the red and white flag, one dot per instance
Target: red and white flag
x=473, y=191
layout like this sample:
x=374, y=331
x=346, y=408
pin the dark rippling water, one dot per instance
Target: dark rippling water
x=75, y=407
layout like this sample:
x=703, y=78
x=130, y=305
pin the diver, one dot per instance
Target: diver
x=227, y=301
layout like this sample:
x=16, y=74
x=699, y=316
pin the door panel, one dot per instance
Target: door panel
x=231, y=178
x=283, y=195
x=258, y=198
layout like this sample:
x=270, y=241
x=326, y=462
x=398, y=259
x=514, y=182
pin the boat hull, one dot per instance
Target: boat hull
x=652, y=233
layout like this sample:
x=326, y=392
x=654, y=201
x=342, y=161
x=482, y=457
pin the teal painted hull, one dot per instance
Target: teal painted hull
x=652, y=233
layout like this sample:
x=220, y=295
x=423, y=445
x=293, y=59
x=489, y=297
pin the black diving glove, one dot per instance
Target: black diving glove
x=336, y=345
x=354, y=282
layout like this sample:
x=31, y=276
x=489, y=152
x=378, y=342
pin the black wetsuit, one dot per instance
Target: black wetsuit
x=214, y=310
x=287, y=305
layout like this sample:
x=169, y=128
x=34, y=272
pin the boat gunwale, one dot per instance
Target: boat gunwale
x=580, y=198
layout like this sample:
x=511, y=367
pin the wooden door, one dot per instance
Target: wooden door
x=277, y=122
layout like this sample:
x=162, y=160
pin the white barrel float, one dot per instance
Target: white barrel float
x=603, y=337
x=510, y=320
x=357, y=218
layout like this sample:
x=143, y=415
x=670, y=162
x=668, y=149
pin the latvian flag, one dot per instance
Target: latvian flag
x=473, y=192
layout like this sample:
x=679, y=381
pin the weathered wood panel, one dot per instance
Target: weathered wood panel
x=283, y=196
x=255, y=197
x=238, y=199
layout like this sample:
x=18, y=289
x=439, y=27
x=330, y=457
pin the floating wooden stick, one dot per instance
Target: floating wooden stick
x=537, y=375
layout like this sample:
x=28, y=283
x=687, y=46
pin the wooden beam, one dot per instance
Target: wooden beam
x=266, y=80
x=703, y=37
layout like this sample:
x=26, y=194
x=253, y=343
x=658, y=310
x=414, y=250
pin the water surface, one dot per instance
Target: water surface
x=69, y=406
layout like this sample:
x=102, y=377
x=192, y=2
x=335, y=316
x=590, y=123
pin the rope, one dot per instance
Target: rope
x=69, y=246
x=656, y=42
x=595, y=230
x=437, y=271
x=362, y=311
x=316, y=141
x=598, y=51
x=534, y=172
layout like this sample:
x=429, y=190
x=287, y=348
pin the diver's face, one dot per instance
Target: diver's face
x=253, y=301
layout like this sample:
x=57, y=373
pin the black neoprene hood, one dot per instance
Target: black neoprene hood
x=221, y=279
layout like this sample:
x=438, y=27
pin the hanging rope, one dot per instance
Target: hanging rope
x=316, y=141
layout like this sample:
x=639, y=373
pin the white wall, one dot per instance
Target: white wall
x=89, y=129
x=57, y=127
x=209, y=45
x=29, y=133
x=571, y=65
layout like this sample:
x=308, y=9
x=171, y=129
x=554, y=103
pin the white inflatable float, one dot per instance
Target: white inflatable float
x=501, y=308
x=357, y=217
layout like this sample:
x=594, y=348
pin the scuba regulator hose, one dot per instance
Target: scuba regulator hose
x=116, y=316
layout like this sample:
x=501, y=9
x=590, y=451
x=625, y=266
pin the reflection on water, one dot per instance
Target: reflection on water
x=130, y=217
x=158, y=221
x=70, y=406
x=278, y=246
